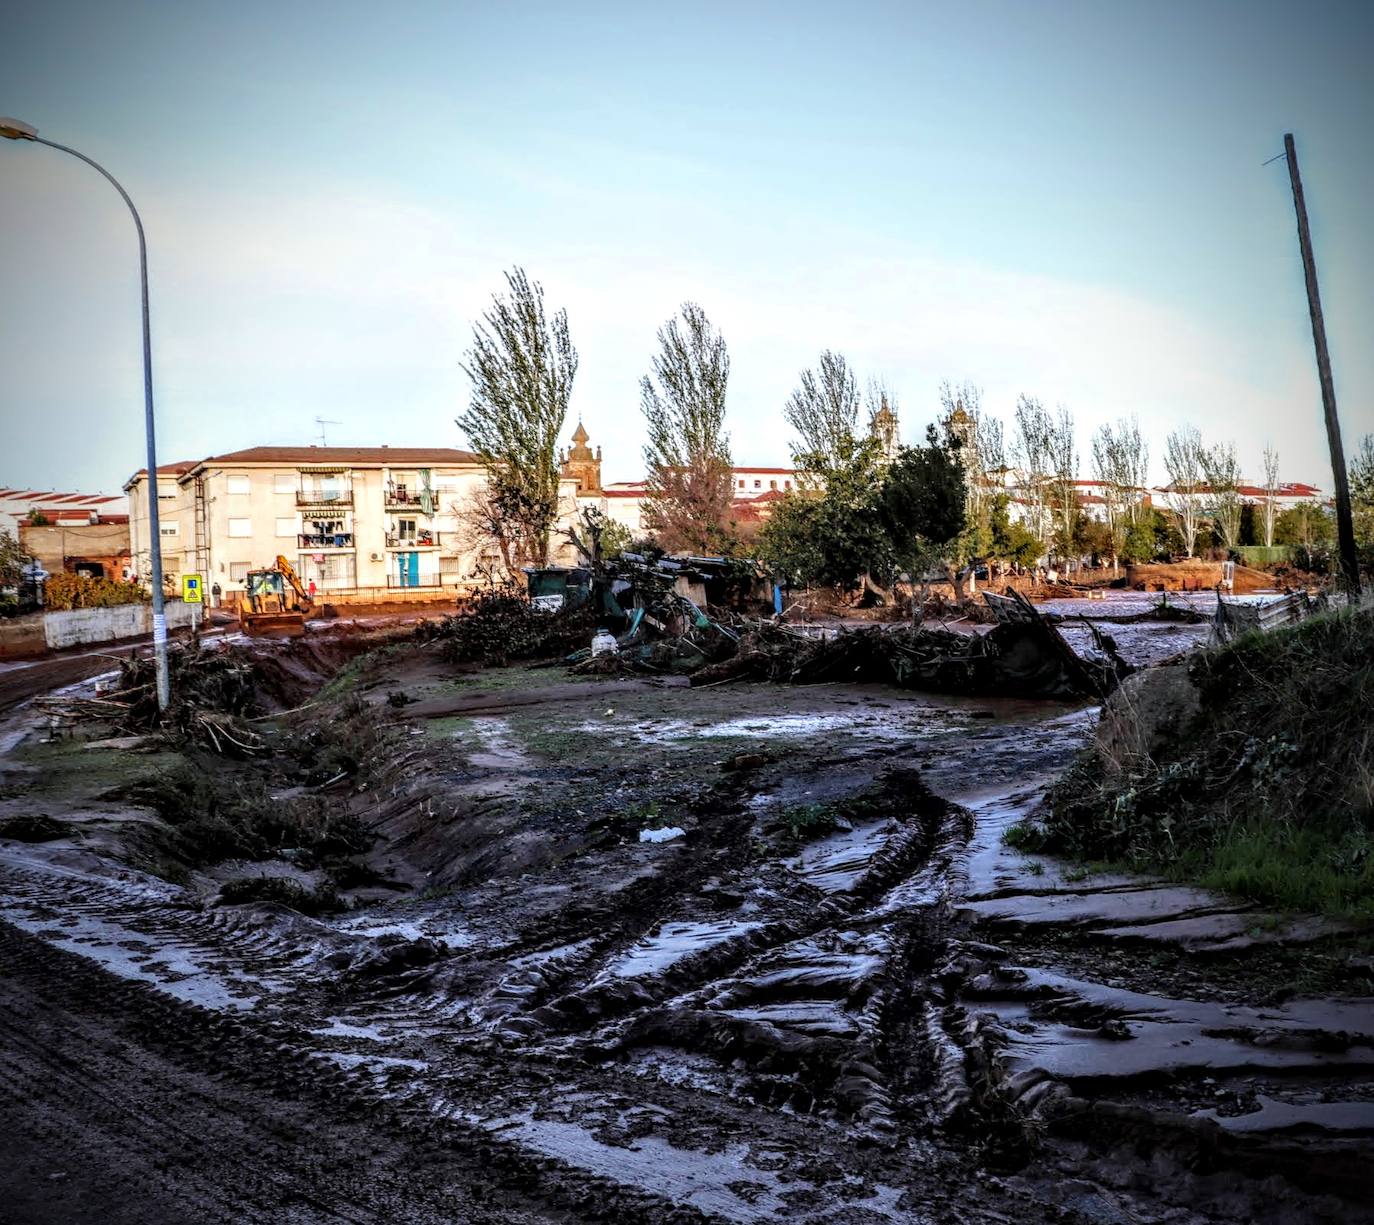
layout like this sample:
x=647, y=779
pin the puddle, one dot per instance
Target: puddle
x=671, y=943
x=835, y=864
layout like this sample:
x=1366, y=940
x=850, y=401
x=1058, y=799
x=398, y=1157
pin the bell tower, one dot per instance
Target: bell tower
x=581, y=464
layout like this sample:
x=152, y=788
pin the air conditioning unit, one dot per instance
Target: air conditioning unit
x=375, y=556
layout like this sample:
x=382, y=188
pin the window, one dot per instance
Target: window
x=169, y=529
x=240, y=527
x=772, y=484
x=405, y=529
x=787, y=484
x=239, y=484
x=758, y=484
x=238, y=571
x=741, y=484
x=286, y=526
x=165, y=492
x=284, y=482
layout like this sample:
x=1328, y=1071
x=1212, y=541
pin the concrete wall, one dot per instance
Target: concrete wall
x=82, y=626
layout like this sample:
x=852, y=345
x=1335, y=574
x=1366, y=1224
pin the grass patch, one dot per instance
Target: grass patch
x=803, y=822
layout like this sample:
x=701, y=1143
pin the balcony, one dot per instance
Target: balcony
x=419, y=541
x=324, y=495
x=320, y=541
x=404, y=497
x=406, y=581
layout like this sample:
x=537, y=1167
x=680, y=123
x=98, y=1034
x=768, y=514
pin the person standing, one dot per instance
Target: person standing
x=215, y=593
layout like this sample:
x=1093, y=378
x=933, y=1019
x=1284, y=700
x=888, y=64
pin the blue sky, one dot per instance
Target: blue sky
x=1062, y=199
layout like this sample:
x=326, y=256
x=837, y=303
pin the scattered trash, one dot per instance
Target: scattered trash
x=662, y=835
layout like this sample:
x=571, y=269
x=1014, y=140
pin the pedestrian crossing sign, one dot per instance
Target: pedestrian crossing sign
x=191, y=590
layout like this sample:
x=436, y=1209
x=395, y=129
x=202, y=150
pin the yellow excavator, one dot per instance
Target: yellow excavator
x=269, y=611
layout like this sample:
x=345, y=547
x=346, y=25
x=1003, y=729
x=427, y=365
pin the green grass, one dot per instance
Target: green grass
x=1314, y=869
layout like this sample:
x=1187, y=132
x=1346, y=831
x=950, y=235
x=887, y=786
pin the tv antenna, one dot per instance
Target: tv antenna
x=322, y=422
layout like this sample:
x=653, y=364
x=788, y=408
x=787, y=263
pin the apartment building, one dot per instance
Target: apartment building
x=348, y=518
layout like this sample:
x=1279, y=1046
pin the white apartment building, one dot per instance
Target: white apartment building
x=348, y=518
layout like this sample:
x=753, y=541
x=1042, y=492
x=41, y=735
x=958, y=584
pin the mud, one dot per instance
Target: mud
x=838, y=997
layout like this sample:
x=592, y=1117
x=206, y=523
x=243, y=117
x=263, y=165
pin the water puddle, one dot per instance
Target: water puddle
x=671, y=943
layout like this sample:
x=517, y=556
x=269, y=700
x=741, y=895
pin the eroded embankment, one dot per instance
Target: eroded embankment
x=829, y=998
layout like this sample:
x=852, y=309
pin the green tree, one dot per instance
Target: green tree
x=922, y=502
x=1306, y=524
x=521, y=364
x=688, y=450
x=1361, y=470
x=1012, y=541
x=13, y=559
x=1221, y=470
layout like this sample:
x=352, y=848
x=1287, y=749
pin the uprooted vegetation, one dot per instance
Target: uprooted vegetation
x=1250, y=770
x=500, y=626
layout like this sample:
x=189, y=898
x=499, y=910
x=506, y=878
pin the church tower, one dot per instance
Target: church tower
x=883, y=427
x=581, y=464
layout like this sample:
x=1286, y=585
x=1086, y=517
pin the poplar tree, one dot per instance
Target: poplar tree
x=690, y=479
x=522, y=364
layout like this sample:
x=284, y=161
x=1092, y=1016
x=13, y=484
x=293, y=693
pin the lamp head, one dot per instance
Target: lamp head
x=17, y=129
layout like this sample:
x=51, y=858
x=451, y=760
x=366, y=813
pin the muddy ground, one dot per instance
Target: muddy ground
x=630, y=950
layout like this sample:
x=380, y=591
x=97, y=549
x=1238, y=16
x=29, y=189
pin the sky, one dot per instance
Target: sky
x=1066, y=200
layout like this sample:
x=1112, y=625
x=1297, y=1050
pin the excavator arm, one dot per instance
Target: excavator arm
x=287, y=569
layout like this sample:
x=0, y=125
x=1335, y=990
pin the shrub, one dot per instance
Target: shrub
x=63, y=592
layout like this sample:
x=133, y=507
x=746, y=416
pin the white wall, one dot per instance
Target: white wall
x=80, y=626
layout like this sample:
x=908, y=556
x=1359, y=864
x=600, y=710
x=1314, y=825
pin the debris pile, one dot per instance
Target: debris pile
x=214, y=695
x=501, y=625
x=1027, y=659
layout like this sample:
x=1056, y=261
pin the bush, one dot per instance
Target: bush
x=63, y=592
x=283, y=890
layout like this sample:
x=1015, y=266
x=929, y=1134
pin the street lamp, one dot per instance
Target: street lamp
x=15, y=129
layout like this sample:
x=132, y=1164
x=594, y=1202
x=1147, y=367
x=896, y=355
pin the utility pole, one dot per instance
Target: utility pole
x=1345, y=524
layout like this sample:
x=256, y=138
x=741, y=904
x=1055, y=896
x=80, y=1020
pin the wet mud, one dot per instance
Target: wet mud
x=837, y=997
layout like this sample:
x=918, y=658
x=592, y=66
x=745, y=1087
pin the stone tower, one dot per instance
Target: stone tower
x=883, y=427
x=581, y=464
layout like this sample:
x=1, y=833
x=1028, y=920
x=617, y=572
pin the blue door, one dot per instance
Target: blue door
x=407, y=569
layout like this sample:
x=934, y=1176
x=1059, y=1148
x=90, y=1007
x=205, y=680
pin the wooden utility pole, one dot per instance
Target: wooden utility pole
x=1345, y=524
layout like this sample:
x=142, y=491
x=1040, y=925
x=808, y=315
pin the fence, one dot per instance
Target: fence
x=1258, y=555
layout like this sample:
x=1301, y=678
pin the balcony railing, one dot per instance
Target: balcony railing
x=420, y=540
x=325, y=540
x=402, y=495
x=421, y=580
x=324, y=495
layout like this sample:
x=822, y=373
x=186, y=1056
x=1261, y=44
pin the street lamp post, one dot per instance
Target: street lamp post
x=15, y=129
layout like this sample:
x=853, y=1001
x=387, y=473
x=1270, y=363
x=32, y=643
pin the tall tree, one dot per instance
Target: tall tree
x=824, y=412
x=1032, y=453
x=1271, y=493
x=1183, y=462
x=521, y=364
x=688, y=451
x=1221, y=471
x=1120, y=462
x=1064, y=478
x=982, y=455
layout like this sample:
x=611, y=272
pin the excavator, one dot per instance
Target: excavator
x=268, y=611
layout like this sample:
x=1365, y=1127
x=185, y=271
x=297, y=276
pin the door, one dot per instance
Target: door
x=407, y=569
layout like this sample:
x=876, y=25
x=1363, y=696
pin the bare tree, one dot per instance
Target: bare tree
x=1271, y=493
x=1032, y=455
x=1183, y=462
x=522, y=365
x=688, y=451
x=1222, y=474
x=1120, y=458
x=1064, y=474
x=824, y=411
